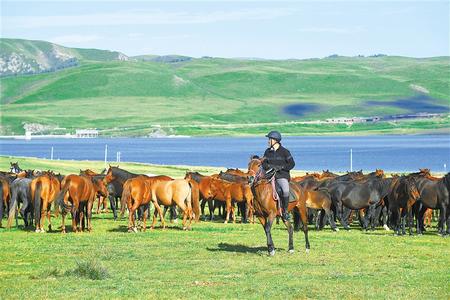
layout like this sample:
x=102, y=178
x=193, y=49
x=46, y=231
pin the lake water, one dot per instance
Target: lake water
x=391, y=153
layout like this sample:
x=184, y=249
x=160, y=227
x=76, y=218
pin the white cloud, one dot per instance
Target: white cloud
x=74, y=39
x=144, y=18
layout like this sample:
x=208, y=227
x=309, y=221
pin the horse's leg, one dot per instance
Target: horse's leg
x=330, y=218
x=161, y=215
x=49, y=217
x=228, y=210
x=43, y=214
x=112, y=203
x=130, y=219
x=212, y=207
x=344, y=216
x=267, y=229
x=144, y=228
x=89, y=206
x=442, y=221
x=304, y=217
x=290, y=229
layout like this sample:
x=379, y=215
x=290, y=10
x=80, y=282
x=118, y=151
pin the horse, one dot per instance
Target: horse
x=101, y=200
x=44, y=190
x=77, y=195
x=21, y=193
x=434, y=194
x=265, y=207
x=229, y=192
x=4, y=196
x=175, y=192
x=319, y=200
x=15, y=168
x=401, y=198
x=137, y=193
x=365, y=194
x=204, y=191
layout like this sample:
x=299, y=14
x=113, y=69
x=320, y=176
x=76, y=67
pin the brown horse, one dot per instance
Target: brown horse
x=230, y=192
x=4, y=197
x=266, y=210
x=102, y=201
x=77, y=195
x=136, y=193
x=44, y=190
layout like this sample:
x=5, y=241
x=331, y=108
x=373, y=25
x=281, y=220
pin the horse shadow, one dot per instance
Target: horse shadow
x=225, y=247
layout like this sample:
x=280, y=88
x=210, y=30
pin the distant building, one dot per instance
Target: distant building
x=86, y=133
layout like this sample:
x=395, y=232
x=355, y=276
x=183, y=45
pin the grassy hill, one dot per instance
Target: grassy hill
x=216, y=96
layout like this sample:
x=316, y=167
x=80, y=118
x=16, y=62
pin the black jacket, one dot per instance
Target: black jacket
x=280, y=158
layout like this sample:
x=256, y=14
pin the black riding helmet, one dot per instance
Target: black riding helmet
x=274, y=135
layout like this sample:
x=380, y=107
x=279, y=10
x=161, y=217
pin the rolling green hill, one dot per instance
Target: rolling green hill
x=211, y=96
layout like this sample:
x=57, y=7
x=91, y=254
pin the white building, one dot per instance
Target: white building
x=86, y=133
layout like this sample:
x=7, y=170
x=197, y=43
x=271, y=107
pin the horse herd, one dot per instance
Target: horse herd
x=317, y=198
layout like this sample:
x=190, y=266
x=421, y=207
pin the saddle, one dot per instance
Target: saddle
x=278, y=192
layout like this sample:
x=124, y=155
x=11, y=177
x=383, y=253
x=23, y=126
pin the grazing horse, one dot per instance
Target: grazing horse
x=434, y=194
x=230, y=192
x=77, y=195
x=265, y=207
x=401, y=198
x=101, y=199
x=319, y=199
x=21, y=193
x=44, y=189
x=136, y=193
x=114, y=179
x=366, y=194
x=204, y=191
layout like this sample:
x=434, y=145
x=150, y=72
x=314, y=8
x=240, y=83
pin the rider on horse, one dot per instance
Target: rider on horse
x=279, y=159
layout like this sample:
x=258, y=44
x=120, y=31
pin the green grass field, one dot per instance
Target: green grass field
x=215, y=260
x=128, y=98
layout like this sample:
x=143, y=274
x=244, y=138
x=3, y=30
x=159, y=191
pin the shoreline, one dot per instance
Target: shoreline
x=74, y=166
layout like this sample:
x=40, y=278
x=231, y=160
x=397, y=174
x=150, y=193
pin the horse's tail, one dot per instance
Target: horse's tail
x=12, y=208
x=195, y=199
x=36, y=196
x=60, y=198
x=126, y=195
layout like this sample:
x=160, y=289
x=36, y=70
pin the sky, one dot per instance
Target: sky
x=252, y=29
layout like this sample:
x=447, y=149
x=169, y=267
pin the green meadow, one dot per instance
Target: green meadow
x=214, y=260
x=215, y=96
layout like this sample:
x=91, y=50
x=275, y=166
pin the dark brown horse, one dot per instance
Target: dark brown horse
x=265, y=207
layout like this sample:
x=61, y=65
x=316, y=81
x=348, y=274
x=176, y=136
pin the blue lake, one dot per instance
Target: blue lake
x=391, y=153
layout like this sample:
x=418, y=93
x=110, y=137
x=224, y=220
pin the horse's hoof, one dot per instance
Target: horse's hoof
x=291, y=251
x=336, y=229
x=42, y=231
x=37, y=230
x=135, y=229
x=272, y=253
x=386, y=227
x=185, y=228
x=307, y=251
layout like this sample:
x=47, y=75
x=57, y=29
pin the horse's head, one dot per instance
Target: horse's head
x=14, y=167
x=412, y=189
x=379, y=173
x=100, y=186
x=109, y=177
x=254, y=164
x=425, y=172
